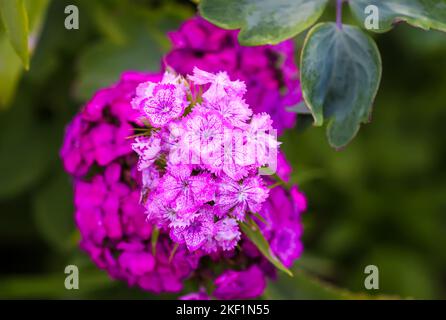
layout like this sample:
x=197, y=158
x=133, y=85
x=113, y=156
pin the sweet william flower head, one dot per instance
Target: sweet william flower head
x=161, y=102
x=200, y=197
x=195, y=213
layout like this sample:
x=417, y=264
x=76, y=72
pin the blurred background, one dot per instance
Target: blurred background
x=380, y=201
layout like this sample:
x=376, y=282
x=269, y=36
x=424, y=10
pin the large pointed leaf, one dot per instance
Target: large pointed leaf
x=10, y=69
x=252, y=231
x=263, y=21
x=425, y=14
x=340, y=74
x=11, y=66
x=36, y=10
x=15, y=21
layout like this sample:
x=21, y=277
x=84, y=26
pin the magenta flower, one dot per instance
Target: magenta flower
x=246, y=284
x=231, y=158
x=199, y=230
x=150, y=178
x=261, y=140
x=282, y=210
x=204, y=132
x=220, y=86
x=200, y=295
x=148, y=149
x=286, y=243
x=77, y=157
x=162, y=213
x=137, y=263
x=227, y=233
x=188, y=192
x=161, y=102
x=236, y=198
x=234, y=111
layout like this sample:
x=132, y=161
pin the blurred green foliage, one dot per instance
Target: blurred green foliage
x=380, y=201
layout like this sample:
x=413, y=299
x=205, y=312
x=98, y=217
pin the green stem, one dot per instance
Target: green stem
x=280, y=181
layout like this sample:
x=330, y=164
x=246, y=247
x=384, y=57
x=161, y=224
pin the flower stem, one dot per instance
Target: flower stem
x=279, y=182
x=172, y=253
x=339, y=13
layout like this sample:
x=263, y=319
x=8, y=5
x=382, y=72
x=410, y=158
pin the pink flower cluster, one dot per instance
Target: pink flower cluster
x=200, y=202
x=110, y=179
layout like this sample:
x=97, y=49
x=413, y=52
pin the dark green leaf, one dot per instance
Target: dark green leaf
x=425, y=14
x=263, y=21
x=252, y=231
x=340, y=74
x=300, y=108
